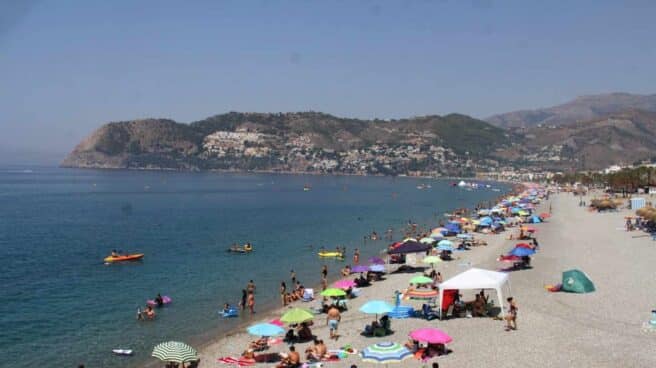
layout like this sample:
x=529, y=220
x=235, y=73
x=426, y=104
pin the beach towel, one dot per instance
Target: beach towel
x=241, y=361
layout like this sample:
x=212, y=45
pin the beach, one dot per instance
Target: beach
x=599, y=329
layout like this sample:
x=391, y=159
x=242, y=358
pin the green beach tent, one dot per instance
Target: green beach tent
x=576, y=281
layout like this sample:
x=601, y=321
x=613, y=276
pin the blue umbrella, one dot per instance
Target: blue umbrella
x=377, y=268
x=265, y=329
x=376, y=307
x=522, y=252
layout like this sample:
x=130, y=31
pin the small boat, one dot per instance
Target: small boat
x=331, y=254
x=122, y=351
x=124, y=258
x=247, y=248
x=307, y=187
x=165, y=300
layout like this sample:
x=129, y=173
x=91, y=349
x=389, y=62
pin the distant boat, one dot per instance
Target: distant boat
x=307, y=187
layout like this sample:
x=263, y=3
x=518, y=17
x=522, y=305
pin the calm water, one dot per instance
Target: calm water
x=59, y=305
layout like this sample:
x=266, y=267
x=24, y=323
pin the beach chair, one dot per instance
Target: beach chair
x=308, y=295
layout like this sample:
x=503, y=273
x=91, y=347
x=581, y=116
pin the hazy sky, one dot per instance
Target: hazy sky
x=68, y=66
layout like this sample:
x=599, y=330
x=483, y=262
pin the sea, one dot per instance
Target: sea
x=60, y=305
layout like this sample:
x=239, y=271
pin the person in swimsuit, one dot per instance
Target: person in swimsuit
x=250, y=287
x=292, y=274
x=332, y=320
x=283, y=292
x=250, y=301
x=324, y=271
x=159, y=300
x=511, y=318
x=244, y=296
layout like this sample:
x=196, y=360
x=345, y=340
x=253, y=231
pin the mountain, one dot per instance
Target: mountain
x=296, y=142
x=580, y=109
x=617, y=138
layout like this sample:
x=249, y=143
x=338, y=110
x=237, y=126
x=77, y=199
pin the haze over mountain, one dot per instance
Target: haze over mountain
x=582, y=108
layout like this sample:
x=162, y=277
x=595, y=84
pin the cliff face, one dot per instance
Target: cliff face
x=296, y=142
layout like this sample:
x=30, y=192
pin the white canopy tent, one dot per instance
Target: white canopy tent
x=477, y=278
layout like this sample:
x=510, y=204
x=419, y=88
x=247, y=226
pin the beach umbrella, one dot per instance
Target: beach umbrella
x=421, y=279
x=297, y=315
x=522, y=252
x=427, y=240
x=343, y=284
x=376, y=307
x=464, y=236
x=431, y=260
x=333, y=292
x=175, y=351
x=437, y=236
x=376, y=260
x=359, y=268
x=377, y=268
x=430, y=335
x=447, y=243
x=385, y=352
x=265, y=329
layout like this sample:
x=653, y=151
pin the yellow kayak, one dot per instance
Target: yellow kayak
x=125, y=258
x=330, y=254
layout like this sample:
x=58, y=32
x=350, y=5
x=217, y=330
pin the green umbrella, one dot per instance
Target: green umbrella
x=421, y=280
x=333, y=292
x=175, y=351
x=296, y=315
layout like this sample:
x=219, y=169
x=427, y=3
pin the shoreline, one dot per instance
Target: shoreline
x=204, y=343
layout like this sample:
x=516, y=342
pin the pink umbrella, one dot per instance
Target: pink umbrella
x=277, y=322
x=344, y=284
x=431, y=336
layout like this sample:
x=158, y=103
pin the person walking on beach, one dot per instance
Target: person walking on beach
x=356, y=256
x=251, y=302
x=283, y=292
x=332, y=320
x=511, y=318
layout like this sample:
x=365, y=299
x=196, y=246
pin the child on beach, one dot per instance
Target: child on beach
x=511, y=318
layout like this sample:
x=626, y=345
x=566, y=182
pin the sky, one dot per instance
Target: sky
x=66, y=67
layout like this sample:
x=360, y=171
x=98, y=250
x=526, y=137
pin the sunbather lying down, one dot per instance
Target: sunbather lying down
x=259, y=344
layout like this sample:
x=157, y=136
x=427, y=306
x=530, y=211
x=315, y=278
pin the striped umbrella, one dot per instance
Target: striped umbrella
x=175, y=351
x=385, y=352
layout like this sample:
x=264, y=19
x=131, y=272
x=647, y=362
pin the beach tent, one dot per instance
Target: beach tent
x=477, y=278
x=575, y=281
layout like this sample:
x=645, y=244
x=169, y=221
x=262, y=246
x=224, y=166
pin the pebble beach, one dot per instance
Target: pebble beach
x=605, y=328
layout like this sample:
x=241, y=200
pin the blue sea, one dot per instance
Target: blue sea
x=61, y=306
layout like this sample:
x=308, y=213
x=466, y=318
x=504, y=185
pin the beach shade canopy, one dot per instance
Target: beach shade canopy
x=376, y=307
x=421, y=279
x=430, y=335
x=376, y=260
x=265, y=329
x=297, y=315
x=175, y=351
x=359, y=268
x=385, y=352
x=427, y=240
x=476, y=279
x=333, y=292
x=343, y=284
x=410, y=247
x=522, y=252
x=431, y=260
x=377, y=268
x=576, y=281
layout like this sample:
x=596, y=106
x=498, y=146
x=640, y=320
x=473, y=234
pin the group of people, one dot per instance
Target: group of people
x=289, y=296
x=248, y=297
x=148, y=313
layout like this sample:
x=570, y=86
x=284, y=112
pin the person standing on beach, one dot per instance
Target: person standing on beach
x=283, y=292
x=324, y=271
x=511, y=318
x=332, y=320
x=251, y=302
x=244, y=296
x=356, y=256
x=250, y=287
